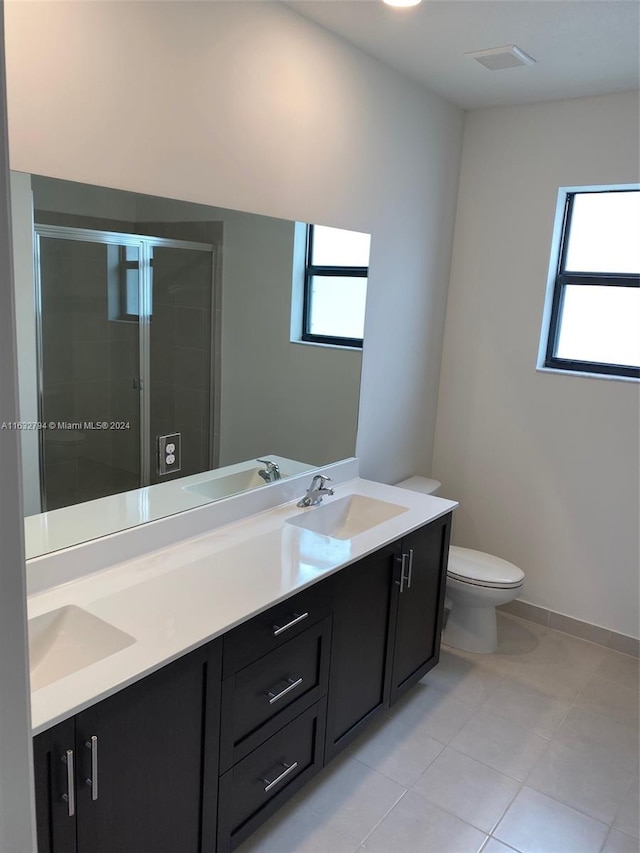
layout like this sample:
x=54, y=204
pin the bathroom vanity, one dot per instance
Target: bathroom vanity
x=277, y=639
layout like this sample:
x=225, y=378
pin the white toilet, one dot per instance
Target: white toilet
x=476, y=584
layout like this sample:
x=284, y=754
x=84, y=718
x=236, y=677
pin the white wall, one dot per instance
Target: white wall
x=17, y=819
x=277, y=397
x=545, y=466
x=250, y=106
x=292, y=400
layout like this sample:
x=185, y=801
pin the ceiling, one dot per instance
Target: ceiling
x=581, y=47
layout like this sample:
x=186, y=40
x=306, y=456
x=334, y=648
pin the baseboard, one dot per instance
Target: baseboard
x=575, y=627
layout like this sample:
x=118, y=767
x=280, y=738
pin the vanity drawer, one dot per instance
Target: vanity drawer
x=266, y=695
x=259, y=784
x=270, y=630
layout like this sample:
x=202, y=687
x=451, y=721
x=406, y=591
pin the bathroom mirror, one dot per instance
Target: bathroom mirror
x=161, y=334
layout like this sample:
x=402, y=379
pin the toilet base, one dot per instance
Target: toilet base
x=472, y=629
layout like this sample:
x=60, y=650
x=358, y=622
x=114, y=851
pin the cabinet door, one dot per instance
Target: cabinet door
x=54, y=765
x=360, y=674
x=140, y=762
x=420, y=597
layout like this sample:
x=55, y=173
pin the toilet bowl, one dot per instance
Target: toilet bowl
x=476, y=584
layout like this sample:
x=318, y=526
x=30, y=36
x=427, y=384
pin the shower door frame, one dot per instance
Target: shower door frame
x=145, y=245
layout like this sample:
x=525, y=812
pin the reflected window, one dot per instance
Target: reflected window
x=123, y=277
x=335, y=286
x=594, y=324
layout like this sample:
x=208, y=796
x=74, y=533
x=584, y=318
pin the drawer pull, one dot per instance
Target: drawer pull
x=297, y=617
x=293, y=683
x=288, y=768
x=70, y=796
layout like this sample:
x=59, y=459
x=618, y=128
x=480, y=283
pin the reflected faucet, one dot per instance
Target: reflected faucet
x=270, y=473
x=316, y=491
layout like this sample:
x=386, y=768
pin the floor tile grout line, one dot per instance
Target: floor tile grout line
x=391, y=779
x=546, y=628
x=468, y=822
x=511, y=719
x=533, y=787
x=438, y=806
x=489, y=766
x=371, y=831
x=504, y=843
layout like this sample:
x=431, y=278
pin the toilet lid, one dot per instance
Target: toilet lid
x=482, y=569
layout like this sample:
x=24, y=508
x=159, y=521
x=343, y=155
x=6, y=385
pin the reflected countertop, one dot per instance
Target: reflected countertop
x=177, y=598
x=70, y=525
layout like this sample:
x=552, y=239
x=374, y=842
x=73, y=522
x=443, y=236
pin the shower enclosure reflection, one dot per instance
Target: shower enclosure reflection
x=125, y=345
x=156, y=316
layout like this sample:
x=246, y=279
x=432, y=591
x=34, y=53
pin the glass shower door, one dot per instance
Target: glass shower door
x=89, y=342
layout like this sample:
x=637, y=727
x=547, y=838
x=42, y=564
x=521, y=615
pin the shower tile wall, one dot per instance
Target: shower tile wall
x=83, y=378
x=181, y=354
x=90, y=361
x=184, y=370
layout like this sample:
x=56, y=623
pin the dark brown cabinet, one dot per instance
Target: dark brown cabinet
x=386, y=635
x=419, y=591
x=54, y=772
x=258, y=785
x=276, y=669
x=363, y=626
x=127, y=774
x=194, y=757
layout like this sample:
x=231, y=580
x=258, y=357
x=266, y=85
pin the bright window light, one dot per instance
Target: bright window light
x=605, y=233
x=594, y=316
x=335, y=247
x=335, y=291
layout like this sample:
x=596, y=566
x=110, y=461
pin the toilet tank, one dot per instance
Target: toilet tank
x=424, y=485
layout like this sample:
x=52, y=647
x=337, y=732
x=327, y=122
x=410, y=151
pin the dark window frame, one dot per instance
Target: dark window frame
x=124, y=265
x=562, y=280
x=311, y=270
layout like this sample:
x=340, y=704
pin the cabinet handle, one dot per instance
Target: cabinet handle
x=288, y=768
x=410, y=568
x=297, y=617
x=403, y=578
x=293, y=683
x=93, y=780
x=70, y=796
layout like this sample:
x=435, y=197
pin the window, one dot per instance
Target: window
x=335, y=286
x=123, y=282
x=593, y=305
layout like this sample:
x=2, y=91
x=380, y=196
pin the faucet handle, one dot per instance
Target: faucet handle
x=323, y=478
x=268, y=463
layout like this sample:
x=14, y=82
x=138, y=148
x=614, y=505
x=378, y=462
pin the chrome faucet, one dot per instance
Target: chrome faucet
x=316, y=491
x=270, y=473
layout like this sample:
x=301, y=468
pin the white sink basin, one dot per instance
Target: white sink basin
x=68, y=639
x=222, y=487
x=347, y=517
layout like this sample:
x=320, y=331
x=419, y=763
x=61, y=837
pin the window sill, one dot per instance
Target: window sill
x=327, y=346
x=581, y=373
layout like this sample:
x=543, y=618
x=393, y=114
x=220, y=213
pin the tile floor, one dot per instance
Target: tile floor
x=532, y=749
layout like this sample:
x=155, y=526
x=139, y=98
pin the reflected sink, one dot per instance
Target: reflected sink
x=68, y=639
x=222, y=487
x=347, y=517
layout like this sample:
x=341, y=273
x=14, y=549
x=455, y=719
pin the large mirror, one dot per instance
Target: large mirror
x=160, y=357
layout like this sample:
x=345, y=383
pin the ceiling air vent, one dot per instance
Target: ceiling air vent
x=497, y=58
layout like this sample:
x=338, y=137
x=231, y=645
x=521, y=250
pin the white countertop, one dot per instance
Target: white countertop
x=177, y=598
x=70, y=525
